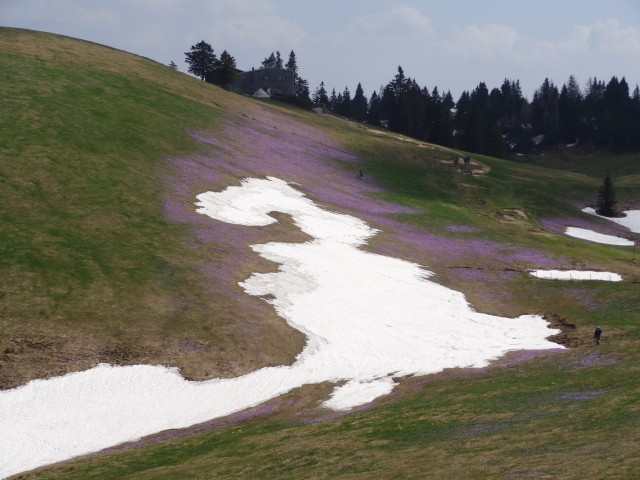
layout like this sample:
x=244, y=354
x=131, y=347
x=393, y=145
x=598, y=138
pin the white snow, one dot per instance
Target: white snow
x=631, y=220
x=584, y=234
x=368, y=319
x=576, y=275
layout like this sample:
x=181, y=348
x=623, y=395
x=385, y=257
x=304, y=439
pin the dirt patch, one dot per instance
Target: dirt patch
x=570, y=335
x=512, y=216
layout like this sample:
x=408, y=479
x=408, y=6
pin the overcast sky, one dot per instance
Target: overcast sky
x=452, y=44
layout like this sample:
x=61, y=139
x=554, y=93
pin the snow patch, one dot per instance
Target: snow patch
x=631, y=220
x=576, y=275
x=590, y=235
x=368, y=318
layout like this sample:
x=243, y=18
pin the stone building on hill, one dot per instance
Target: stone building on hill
x=271, y=80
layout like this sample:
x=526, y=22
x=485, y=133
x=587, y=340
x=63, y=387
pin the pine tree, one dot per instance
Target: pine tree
x=594, y=106
x=292, y=65
x=345, y=104
x=544, y=112
x=334, y=101
x=617, y=110
x=320, y=98
x=570, y=111
x=606, y=205
x=270, y=61
x=373, y=113
x=359, y=105
x=201, y=59
x=173, y=66
x=302, y=89
x=278, y=60
x=225, y=71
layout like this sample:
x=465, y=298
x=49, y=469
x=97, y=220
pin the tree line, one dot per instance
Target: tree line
x=500, y=121
x=497, y=122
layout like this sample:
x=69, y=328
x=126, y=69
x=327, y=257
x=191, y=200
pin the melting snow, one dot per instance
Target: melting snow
x=576, y=275
x=368, y=319
x=631, y=220
x=584, y=234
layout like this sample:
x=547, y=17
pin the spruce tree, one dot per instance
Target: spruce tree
x=225, y=71
x=320, y=98
x=345, y=103
x=359, y=105
x=333, y=101
x=373, y=113
x=606, y=205
x=270, y=61
x=201, y=59
x=292, y=65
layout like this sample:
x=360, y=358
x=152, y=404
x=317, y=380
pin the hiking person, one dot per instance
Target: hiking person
x=360, y=174
x=455, y=162
x=597, y=334
x=467, y=160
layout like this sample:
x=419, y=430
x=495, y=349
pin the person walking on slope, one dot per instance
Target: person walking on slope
x=597, y=334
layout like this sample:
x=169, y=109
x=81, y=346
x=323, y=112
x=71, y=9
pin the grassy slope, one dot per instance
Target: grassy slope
x=91, y=269
x=563, y=416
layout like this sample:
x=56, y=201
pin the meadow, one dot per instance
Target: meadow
x=104, y=259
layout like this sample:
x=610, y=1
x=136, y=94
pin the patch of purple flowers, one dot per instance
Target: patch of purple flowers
x=460, y=229
x=595, y=360
x=581, y=396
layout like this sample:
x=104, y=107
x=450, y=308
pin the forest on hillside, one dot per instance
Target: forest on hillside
x=499, y=121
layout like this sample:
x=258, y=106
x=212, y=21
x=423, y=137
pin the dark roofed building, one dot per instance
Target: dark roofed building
x=272, y=80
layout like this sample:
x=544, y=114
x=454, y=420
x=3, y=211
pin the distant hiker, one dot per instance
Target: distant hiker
x=360, y=175
x=455, y=161
x=597, y=334
x=467, y=160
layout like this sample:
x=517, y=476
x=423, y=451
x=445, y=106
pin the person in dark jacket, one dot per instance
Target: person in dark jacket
x=597, y=334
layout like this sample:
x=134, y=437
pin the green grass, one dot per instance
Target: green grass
x=89, y=134
x=93, y=270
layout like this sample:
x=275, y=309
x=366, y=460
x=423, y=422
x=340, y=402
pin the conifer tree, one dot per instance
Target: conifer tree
x=345, y=103
x=225, y=71
x=606, y=205
x=201, y=59
x=570, y=111
x=292, y=65
x=320, y=98
x=359, y=105
x=270, y=61
x=373, y=113
x=334, y=101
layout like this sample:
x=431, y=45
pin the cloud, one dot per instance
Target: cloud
x=487, y=41
x=397, y=20
x=607, y=37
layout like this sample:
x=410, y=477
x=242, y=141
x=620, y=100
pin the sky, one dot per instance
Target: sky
x=451, y=44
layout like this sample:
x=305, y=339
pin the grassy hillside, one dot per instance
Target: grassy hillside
x=103, y=259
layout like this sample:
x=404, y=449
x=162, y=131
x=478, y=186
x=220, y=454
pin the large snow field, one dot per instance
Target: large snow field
x=369, y=319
